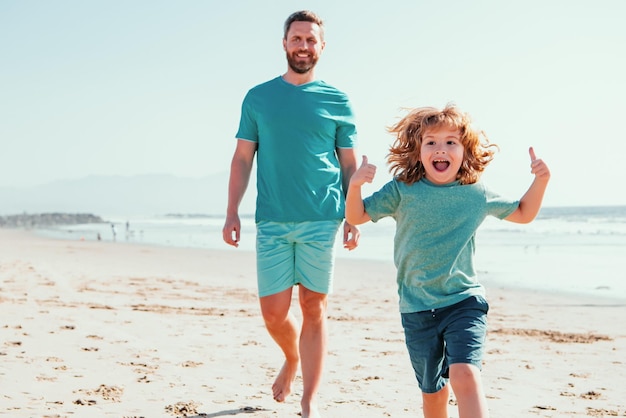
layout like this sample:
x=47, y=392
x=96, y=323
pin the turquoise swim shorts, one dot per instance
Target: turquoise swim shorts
x=291, y=253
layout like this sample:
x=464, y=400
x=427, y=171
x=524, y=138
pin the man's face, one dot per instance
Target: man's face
x=303, y=46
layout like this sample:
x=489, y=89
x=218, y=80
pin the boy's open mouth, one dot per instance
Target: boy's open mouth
x=441, y=165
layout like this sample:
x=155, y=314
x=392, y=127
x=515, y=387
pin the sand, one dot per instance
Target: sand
x=105, y=329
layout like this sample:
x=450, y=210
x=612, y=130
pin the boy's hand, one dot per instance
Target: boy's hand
x=365, y=173
x=538, y=167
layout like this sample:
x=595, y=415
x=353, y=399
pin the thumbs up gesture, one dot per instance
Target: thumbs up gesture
x=538, y=167
x=364, y=174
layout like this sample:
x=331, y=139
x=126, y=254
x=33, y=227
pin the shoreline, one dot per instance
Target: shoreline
x=114, y=329
x=486, y=277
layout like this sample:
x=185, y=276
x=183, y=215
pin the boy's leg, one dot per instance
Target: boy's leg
x=313, y=347
x=283, y=328
x=426, y=351
x=466, y=332
x=468, y=389
x=435, y=405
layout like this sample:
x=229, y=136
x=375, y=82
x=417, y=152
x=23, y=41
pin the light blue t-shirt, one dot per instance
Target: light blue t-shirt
x=298, y=129
x=434, y=239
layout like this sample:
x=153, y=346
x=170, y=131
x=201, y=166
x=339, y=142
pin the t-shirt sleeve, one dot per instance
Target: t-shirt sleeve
x=346, y=136
x=498, y=205
x=384, y=202
x=248, y=128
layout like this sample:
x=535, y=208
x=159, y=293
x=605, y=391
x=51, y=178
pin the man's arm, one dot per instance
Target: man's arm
x=240, y=169
x=348, y=163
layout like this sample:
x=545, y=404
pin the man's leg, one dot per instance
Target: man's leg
x=313, y=347
x=283, y=328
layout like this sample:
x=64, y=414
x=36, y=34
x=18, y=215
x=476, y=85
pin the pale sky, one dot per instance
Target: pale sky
x=146, y=86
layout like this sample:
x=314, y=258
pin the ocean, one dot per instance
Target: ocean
x=566, y=249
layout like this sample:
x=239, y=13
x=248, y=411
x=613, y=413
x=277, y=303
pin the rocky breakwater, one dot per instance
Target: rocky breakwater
x=38, y=220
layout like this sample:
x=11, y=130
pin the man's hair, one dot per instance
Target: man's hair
x=304, y=16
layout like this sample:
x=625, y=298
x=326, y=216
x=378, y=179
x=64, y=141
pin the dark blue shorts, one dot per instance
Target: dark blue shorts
x=438, y=338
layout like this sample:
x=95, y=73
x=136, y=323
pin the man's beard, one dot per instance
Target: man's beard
x=299, y=66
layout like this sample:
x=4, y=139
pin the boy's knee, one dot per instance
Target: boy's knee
x=464, y=377
x=436, y=400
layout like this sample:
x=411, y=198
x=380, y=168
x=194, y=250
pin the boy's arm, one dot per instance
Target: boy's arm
x=355, y=210
x=240, y=169
x=530, y=203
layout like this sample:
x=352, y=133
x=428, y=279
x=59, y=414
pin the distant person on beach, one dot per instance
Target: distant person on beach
x=438, y=203
x=303, y=133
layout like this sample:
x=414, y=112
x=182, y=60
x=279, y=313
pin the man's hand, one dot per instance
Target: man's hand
x=351, y=235
x=232, y=230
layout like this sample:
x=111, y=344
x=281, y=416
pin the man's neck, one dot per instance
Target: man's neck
x=296, y=79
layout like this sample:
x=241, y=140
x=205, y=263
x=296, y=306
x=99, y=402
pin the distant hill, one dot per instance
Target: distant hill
x=144, y=195
x=47, y=219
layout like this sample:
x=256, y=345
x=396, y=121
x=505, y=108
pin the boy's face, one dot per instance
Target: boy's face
x=303, y=46
x=442, y=154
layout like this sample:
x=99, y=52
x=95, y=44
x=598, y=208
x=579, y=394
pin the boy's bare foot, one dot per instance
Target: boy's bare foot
x=282, y=385
x=311, y=413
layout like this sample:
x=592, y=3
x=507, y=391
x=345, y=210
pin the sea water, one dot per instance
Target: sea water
x=566, y=249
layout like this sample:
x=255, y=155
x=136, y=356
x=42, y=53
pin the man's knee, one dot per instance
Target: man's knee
x=313, y=304
x=275, y=308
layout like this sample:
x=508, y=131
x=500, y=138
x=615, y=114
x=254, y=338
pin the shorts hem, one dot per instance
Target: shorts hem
x=271, y=292
x=477, y=363
x=429, y=390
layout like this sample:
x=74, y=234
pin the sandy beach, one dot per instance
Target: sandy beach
x=106, y=329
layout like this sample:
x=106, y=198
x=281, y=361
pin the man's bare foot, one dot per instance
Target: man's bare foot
x=311, y=412
x=282, y=385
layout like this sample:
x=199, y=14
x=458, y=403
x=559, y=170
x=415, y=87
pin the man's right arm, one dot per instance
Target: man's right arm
x=240, y=170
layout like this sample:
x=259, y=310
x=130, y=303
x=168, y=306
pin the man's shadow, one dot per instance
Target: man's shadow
x=244, y=410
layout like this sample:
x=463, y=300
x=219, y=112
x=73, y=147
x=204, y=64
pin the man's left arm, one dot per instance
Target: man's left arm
x=348, y=163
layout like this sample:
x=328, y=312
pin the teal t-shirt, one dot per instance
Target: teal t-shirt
x=297, y=129
x=434, y=238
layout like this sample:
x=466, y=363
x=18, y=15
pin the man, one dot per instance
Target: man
x=303, y=134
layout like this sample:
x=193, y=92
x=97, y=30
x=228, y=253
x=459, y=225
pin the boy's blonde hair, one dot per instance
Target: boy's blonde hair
x=404, y=154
